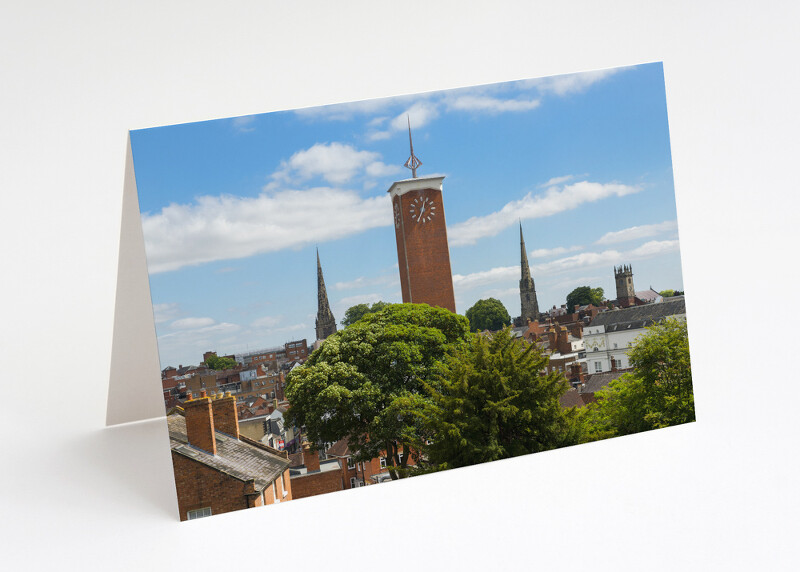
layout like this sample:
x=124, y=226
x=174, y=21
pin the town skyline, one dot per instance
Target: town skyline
x=234, y=209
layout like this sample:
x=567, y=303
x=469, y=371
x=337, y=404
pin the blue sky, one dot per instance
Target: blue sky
x=233, y=209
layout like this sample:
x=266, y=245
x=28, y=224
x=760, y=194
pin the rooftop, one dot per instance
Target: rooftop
x=639, y=316
x=242, y=458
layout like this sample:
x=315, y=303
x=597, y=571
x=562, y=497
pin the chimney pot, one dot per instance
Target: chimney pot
x=200, y=424
x=226, y=417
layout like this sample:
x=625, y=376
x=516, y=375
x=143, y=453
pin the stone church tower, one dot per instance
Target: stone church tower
x=626, y=295
x=527, y=289
x=326, y=323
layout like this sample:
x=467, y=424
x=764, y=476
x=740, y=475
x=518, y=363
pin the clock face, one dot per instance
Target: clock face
x=397, y=214
x=422, y=209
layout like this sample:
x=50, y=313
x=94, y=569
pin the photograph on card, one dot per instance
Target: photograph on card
x=358, y=293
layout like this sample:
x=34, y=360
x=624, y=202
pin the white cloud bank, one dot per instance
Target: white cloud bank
x=228, y=227
x=554, y=200
x=638, y=232
x=548, y=252
x=336, y=163
x=582, y=261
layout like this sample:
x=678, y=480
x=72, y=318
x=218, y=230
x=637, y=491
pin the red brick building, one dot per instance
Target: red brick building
x=217, y=469
x=422, y=251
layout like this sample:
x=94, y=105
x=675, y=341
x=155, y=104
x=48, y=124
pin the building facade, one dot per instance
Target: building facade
x=217, y=469
x=610, y=335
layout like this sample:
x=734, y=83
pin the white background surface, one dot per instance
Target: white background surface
x=719, y=494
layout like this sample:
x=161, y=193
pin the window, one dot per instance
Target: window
x=615, y=345
x=383, y=462
x=598, y=367
x=351, y=463
x=199, y=513
x=353, y=482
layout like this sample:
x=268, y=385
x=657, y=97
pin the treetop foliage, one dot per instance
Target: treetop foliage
x=348, y=387
x=220, y=363
x=670, y=293
x=659, y=391
x=489, y=314
x=584, y=295
x=355, y=313
x=491, y=402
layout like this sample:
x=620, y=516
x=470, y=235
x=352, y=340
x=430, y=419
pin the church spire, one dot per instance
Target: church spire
x=527, y=289
x=326, y=323
x=413, y=161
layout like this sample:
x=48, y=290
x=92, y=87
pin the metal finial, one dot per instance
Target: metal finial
x=413, y=161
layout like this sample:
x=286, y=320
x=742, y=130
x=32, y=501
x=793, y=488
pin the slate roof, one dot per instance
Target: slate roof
x=571, y=398
x=648, y=295
x=598, y=381
x=639, y=316
x=339, y=449
x=243, y=460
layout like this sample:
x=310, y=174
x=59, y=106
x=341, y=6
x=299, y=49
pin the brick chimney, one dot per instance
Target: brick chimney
x=225, y=418
x=310, y=458
x=200, y=423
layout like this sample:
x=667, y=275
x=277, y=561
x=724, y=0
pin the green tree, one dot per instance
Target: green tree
x=583, y=295
x=670, y=293
x=489, y=314
x=349, y=387
x=355, y=313
x=220, y=363
x=659, y=391
x=492, y=402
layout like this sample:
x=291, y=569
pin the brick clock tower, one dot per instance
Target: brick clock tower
x=421, y=233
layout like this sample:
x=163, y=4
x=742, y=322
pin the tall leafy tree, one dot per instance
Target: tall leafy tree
x=583, y=295
x=355, y=313
x=489, y=314
x=349, y=387
x=657, y=394
x=492, y=402
x=220, y=363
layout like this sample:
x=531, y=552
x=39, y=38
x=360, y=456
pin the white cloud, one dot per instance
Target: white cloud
x=638, y=232
x=191, y=323
x=583, y=261
x=420, y=114
x=336, y=163
x=362, y=282
x=553, y=201
x=607, y=257
x=244, y=124
x=569, y=83
x=165, y=312
x=484, y=277
x=548, y=252
x=574, y=281
x=229, y=227
x=346, y=111
x=491, y=104
x=556, y=181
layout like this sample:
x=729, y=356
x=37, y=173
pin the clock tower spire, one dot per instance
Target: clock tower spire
x=422, y=251
x=326, y=323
